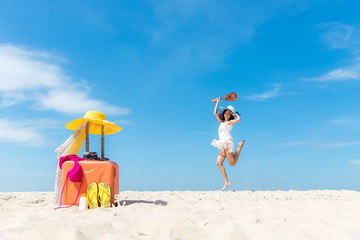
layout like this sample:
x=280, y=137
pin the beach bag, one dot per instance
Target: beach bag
x=74, y=175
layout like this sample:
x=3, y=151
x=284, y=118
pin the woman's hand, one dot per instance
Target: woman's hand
x=218, y=99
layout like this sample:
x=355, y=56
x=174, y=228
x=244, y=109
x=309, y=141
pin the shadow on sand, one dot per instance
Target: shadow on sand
x=129, y=202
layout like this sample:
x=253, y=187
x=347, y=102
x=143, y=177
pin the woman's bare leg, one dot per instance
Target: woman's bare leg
x=233, y=158
x=237, y=153
x=220, y=160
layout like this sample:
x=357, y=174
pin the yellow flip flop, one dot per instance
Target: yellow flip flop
x=104, y=195
x=92, y=195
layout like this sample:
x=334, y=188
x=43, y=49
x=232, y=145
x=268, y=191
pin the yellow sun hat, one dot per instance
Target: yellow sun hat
x=95, y=119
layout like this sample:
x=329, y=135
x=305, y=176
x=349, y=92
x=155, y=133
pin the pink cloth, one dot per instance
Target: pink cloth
x=71, y=157
x=75, y=174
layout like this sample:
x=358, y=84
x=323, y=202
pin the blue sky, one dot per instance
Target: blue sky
x=153, y=67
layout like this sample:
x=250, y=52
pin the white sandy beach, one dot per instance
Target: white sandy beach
x=187, y=215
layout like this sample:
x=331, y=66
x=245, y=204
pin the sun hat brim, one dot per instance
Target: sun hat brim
x=94, y=126
x=228, y=110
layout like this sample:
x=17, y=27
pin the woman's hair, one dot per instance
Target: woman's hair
x=221, y=115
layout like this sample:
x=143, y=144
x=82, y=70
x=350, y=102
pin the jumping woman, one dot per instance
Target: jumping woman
x=227, y=118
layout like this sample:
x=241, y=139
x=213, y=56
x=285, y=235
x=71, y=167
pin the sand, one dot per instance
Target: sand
x=187, y=215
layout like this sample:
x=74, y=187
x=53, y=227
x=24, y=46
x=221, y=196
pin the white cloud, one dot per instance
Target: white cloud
x=317, y=144
x=296, y=143
x=27, y=131
x=337, y=145
x=341, y=121
x=22, y=69
x=351, y=72
x=338, y=35
x=266, y=95
x=355, y=162
x=350, y=124
x=76, y=102
x=38, y=77
x=42, y=123
x=341, y=36
x=19, y=133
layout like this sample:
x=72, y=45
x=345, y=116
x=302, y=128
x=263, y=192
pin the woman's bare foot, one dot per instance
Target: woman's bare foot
x=226, y=185
x=241, y=144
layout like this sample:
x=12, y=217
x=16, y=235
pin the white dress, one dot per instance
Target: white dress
x=225, y=139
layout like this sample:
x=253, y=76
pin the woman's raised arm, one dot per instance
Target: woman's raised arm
x=236, y=120
x=216, y=109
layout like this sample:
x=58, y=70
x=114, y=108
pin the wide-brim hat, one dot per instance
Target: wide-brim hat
x=96, y=120
x=231, y=109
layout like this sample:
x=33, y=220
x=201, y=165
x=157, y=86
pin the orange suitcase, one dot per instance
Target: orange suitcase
x=93, y=171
